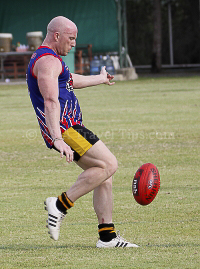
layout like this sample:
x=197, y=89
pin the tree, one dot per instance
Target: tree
x=157, y=37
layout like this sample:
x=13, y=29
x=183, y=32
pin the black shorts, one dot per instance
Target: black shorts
x=80, y=139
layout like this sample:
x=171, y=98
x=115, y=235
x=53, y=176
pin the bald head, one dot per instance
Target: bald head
x=60, y=24
x=61, y=35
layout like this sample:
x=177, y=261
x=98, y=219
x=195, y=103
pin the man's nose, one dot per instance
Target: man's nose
x=73, y=44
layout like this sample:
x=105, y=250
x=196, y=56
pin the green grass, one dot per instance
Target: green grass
x=147, y=120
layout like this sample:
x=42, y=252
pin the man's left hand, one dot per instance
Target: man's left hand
x=107, y=76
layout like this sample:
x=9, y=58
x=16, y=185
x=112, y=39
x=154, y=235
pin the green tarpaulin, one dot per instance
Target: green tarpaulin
x=96, y=20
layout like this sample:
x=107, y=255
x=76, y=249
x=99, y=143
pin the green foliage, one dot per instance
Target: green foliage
x=140, y=31
x=185, y=30
x=186, y=36
x=148, y=120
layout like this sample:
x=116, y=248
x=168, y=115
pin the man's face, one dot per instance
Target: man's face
x=67, y=41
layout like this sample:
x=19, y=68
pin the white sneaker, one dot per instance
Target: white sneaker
x=55, y=217
x=116, y=243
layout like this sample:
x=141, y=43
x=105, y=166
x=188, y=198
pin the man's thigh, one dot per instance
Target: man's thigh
x=80, y=139
x=97, y=156
x=89, y=151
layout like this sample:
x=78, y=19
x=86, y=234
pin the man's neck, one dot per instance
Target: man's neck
x=46, y=44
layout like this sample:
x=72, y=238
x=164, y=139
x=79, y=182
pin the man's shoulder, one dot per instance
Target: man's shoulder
x=45, y=55
x=49, y=58
x=48, y=63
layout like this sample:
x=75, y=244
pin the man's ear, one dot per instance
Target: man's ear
x=56, y=36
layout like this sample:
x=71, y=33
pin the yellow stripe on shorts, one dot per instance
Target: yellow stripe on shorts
x=76, y=141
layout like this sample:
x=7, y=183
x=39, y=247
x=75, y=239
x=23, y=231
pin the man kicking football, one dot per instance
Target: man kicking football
x=51, y=87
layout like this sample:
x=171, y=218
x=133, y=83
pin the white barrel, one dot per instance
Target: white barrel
x=34, y=40
x=5, y=42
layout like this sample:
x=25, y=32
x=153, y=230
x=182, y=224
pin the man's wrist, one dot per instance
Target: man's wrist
x=56, y=139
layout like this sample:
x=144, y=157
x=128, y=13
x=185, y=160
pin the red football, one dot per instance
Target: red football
x=146, y=184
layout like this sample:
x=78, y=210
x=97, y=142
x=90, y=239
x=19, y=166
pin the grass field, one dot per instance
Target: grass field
x=147, y=120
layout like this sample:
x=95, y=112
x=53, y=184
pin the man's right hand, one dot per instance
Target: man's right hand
x=64, y=150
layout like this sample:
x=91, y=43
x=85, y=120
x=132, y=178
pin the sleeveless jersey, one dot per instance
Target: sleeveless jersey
x=70, y=112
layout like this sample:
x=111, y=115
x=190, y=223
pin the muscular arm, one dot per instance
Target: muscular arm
x=87, y=81
x=47, y=70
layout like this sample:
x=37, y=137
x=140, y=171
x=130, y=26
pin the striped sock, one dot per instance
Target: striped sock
x=106, y=232
x=63, y=203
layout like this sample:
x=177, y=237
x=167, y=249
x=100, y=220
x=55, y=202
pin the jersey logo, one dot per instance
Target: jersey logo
x=69, y=84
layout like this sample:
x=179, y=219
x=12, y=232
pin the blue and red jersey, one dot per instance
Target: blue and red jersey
x=70, y=112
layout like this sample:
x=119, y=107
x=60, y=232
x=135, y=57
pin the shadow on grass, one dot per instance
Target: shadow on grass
x=17, y=247
x=90, y=247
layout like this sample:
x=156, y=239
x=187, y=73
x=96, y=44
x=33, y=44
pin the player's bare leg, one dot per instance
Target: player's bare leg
x=99, y=157
x=103, y=203
x=98, y=164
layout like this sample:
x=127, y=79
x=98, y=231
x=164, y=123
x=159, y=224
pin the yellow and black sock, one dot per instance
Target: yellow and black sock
x=106, y=232
x=63, y=203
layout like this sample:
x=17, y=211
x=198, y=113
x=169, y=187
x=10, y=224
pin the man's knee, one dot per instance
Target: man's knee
x=111, y=166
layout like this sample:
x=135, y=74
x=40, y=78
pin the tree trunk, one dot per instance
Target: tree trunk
x=157, y=37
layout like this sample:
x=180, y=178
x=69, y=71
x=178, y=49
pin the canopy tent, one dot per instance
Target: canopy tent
x=96, y=20
x=100, y=23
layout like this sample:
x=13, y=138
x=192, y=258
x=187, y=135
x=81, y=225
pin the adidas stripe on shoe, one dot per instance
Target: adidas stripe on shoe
x=55, y=217
x=117, y=242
